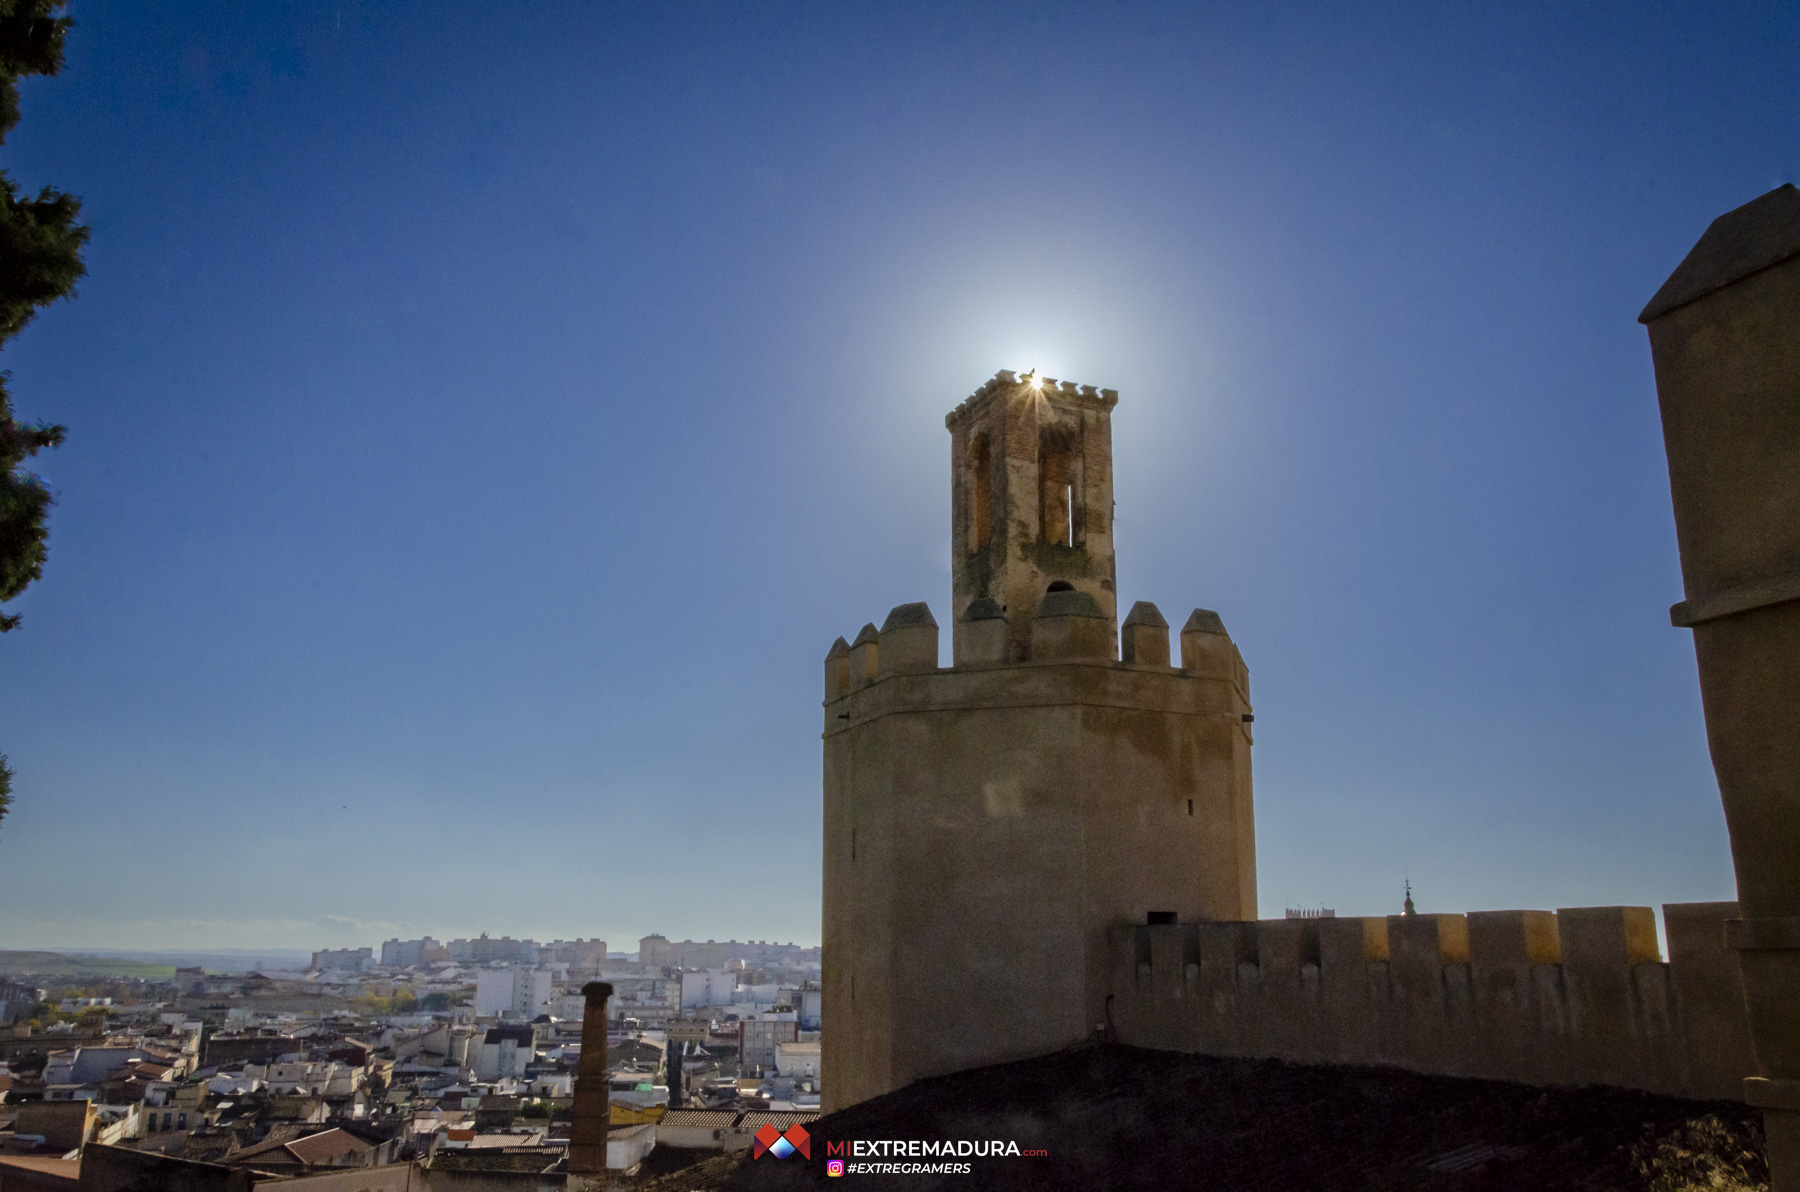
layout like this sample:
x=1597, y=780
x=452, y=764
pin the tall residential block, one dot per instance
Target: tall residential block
x=986, y=823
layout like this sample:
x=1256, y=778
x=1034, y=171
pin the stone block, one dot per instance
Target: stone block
x=1069, y=625
x=909, y=640
x=837, y=669
x=1607, y=937
x=1144, y=638
x=1498, y=938
x=979, y=638
x=865, y=657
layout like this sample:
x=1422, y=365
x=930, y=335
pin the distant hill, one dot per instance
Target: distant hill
x=61, y=964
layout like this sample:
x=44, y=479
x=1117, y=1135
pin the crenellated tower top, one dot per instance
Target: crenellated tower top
x=1032, y=498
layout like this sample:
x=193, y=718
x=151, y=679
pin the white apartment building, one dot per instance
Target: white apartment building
x=502, y=1051
x=708, y=987
x=760, y=1035
x=399, y=953
x=513, y=992
x=326, y=1078
x=798, y=1060
x=352, y=960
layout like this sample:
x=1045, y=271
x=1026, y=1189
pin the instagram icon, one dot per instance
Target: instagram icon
x=834, y=1167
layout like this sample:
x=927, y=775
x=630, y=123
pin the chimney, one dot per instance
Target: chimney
x=592, y=1110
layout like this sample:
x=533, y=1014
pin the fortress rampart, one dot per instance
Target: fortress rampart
x=995, y=830
x=1578, y=996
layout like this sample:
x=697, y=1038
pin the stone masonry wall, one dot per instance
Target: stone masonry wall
x=1579, y=996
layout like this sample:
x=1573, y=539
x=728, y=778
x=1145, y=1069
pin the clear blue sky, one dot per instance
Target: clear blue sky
x=483, y=418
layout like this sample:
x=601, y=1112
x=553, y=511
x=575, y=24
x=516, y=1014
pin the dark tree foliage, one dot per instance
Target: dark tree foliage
x=40, y=261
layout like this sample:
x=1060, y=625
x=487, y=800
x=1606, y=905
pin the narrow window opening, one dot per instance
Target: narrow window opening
x=980, y=495
x=1059, y=475
x=853, y=846
x=1190, y=807
x=1060, y=585
x=1162, y=918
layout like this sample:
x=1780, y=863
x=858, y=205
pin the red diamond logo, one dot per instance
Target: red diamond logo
x=764, y=1138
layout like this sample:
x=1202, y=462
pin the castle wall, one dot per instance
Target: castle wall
x=986, y=824
x=1581, y=996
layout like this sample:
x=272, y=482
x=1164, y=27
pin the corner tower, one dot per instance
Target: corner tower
x=987, y=824
x=1031, y=498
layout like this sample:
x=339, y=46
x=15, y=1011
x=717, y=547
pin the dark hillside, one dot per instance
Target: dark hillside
x=1122, y=1118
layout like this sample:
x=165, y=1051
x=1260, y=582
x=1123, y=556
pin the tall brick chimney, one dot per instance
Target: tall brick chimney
x=592, y=1110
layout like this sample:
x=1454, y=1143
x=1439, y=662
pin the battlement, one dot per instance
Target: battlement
x=1067, y=626
x=1007, y=381
x=1578, y=996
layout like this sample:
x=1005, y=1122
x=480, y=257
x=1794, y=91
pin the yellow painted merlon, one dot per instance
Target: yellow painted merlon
x=1514, y=937
x=1433, y=938
x=1608, y=935
x=1374, y=937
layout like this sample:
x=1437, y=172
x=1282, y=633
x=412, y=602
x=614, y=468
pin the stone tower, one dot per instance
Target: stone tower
x=1725, y=338
x=986, y=823
x=1031, y=498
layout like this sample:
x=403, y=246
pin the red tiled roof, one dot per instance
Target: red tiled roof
x=311, y=1151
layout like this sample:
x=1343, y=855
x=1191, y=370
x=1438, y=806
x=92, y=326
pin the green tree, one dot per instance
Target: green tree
x=40, y=261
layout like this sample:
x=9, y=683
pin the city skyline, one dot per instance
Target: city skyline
x=483, y=420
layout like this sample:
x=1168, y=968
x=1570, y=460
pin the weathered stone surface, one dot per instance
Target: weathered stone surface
x=1144, y=638
x=1031, y=498
x=1575, y=997
x=986, y=824
x=1725, y=339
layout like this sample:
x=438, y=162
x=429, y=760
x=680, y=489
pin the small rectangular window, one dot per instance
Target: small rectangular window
x=1190, y=807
